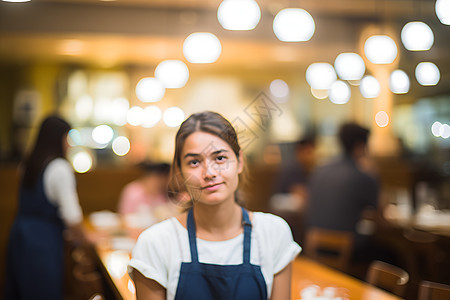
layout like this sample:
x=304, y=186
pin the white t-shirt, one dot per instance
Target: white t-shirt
x=162, y=248
x=60, y=188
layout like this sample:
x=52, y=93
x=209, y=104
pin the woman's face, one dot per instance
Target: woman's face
x=210, y=168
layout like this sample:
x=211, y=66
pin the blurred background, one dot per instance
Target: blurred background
x=125, y=73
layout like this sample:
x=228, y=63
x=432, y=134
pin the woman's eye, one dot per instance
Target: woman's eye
x=221, y=158
x=194, y=163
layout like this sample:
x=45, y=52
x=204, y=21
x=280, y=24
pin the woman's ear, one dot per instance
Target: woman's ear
x=240, y=162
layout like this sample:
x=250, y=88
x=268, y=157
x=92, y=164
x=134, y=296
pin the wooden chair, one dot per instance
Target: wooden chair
x=330, y=247
x=388, y=277
x=429, y=290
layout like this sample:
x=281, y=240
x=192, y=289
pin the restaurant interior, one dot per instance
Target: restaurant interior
x=126, y=73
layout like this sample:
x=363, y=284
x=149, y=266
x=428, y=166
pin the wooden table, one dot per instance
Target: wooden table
x=305, y=273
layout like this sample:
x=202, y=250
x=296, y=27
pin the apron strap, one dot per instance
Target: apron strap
x=192, y=236
x=247, y=235
x=193, y=242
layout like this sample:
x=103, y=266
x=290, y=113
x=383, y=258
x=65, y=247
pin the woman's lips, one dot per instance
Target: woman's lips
x=212, y=188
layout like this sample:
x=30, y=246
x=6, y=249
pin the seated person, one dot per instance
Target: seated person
x=147, y=193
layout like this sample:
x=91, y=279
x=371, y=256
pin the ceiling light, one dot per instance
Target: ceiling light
x=152, y=115
x=427, y=74
x=135, y=116
x=121, y=145
x=293, y=25
x=349, y=66
x=279, y=88
x=202, y=48
x=172, y=73
x=339, y=92
x=399, y=82
x=443, y=11
x=417, y=36
x=150, y=89
x=173, y=116
x=380, y=49
x=320, y=76
x=239, y=14
x=370, y=87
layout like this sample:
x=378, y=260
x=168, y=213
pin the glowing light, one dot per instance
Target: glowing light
x=279, y=88
x=239, y=14
x=173, y=116
x=117, y=262
x=121, y=146
x=152, y=115
x=74, y=137
x=417, y=36
x=380, y=49
x=135, y=116
x=102, y=134
x=370, y=87
x=131, y=286
x=445, y=131
x=427, y=74
x=119, y=108
x=82, y=162
x=442, y=8
x=382, y=119
x=293, y=25
x=436, y=129
x=320, y=76
x=399, y=82
x=172, y=73
x=349, y=66
x=339, y=92
x=319, y=94
x=150, y=89
x=202, y=48
x=16, y=1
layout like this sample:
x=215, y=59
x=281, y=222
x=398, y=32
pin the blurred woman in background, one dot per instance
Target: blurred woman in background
x=48, y=203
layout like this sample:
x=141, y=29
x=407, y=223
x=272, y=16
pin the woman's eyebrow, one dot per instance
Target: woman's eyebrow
x=199, y=154
x=219, y=151
x=191, y=155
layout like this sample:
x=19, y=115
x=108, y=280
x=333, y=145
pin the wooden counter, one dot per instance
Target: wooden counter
x=305, y=273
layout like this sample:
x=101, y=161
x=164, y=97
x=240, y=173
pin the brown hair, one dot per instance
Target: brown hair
x=209, y=122
x=48, y=146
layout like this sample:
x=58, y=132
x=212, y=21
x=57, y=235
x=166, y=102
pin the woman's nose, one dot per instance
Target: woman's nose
x=209, y=170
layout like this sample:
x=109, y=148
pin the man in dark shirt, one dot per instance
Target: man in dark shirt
x=340, y=190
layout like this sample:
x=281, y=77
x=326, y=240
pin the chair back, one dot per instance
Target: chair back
x=330, y=247
x=388, y=277
x=429, y=290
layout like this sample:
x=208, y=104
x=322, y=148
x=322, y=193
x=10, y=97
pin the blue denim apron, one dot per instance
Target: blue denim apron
x=220, y=282
x=35, y=250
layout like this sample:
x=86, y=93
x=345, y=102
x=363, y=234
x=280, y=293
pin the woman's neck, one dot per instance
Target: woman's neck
x=218, y=222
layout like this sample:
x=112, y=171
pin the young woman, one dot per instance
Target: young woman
x=48, y=203
x=216, y=249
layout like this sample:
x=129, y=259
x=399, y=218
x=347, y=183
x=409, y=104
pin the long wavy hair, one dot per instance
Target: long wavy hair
x=209, y=122
x=48, y=146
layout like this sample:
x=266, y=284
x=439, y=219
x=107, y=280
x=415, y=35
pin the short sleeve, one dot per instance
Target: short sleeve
x=60, y=188
x=150, y=254
x=283, y=247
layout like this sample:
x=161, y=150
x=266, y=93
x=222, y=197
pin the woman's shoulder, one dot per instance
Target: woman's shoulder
x=59, y=164
x=164, y=230
x=269, y=221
